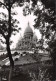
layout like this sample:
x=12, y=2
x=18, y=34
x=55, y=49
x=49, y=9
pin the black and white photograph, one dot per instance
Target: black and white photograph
x=27, y=40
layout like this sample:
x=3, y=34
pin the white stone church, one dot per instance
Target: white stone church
x=29, y=39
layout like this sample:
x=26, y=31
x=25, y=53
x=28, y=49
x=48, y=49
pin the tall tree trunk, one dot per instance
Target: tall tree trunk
x=10, y=58
x=8, y=39
x=9, y=53
x=10, y=73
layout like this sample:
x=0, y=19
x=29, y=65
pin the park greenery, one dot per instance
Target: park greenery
x=45, y=21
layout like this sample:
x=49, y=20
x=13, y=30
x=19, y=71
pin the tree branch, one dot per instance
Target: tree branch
x=4, y=5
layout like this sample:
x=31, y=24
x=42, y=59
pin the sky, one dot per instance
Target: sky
x=23, y=24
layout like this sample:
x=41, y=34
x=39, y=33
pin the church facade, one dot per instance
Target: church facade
x=29, y=39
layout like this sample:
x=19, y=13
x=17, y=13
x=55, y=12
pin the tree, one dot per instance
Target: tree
x=46, y=22
x=7, y=27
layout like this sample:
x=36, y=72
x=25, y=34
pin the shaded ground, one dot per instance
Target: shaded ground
x=22, y=77
x=28, y=65
x=25, y=73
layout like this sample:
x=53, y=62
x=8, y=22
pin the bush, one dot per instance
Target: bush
x=16, y=53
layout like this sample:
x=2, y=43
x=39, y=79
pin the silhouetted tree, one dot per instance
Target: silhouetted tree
x=46, y=22
x=7, y=27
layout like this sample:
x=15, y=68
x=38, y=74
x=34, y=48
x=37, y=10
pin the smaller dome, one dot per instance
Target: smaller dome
x=34, y=37
x=20, y=39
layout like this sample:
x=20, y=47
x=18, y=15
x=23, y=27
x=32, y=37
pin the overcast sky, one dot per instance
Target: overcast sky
x=23, y=23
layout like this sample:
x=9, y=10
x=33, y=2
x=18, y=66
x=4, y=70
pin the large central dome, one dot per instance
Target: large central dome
x=28, y=30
